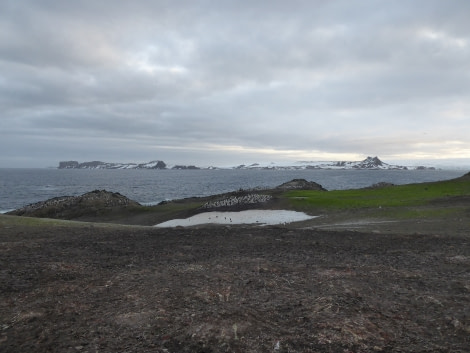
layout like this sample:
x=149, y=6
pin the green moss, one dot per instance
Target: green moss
x=392, y=196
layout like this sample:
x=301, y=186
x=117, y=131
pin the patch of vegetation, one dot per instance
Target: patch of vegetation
x=10, y=221
x=411, y=195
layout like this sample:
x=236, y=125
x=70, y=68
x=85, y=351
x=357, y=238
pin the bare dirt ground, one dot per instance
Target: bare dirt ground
x=104, y=288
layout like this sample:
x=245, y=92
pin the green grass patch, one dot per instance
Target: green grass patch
x=11, y=221
x=392, y=196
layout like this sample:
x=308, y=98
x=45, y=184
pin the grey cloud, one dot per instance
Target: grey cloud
x=327, y=76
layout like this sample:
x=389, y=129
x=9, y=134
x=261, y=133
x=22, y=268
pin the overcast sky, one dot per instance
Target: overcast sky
x=229, y=82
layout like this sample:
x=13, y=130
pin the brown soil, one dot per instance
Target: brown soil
x=70, y=287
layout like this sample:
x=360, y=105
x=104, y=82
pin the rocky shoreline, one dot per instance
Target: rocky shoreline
x=99, y=203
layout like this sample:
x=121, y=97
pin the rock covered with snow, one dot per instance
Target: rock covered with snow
x=368, y=163
x=157, y=164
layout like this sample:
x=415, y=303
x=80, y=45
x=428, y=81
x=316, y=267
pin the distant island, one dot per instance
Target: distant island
x=106, y=165
x=371, y=163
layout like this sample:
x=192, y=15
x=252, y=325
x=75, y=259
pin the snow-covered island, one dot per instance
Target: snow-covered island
x=368, y=163
x=106, y=165
x=373, y=163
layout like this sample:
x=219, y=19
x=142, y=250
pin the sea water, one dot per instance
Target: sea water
x=19, y=187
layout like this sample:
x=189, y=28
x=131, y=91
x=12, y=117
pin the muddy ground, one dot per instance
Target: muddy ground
x=105, y=288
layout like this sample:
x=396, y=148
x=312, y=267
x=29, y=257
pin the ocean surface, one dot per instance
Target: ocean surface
x=19, y=187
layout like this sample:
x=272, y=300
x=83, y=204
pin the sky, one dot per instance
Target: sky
x=231, y=82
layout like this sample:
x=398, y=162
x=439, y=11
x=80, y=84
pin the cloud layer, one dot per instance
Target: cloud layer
x=212, y=82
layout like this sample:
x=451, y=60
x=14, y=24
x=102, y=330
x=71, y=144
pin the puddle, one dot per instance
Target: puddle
x=261, y=217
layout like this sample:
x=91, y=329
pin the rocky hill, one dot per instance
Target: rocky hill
x=73, y=207
x=300, y=184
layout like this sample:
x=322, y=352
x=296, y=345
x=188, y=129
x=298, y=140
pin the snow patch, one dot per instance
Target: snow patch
x=261, y=217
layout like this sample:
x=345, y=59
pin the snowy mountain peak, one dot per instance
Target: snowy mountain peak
x=371, y=162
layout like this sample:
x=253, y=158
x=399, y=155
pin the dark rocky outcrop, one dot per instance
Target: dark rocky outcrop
x=421, y=167
x=185, y=167
x=380, y=185
x=69, y=165
x=300, y=184
x=73, y=207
